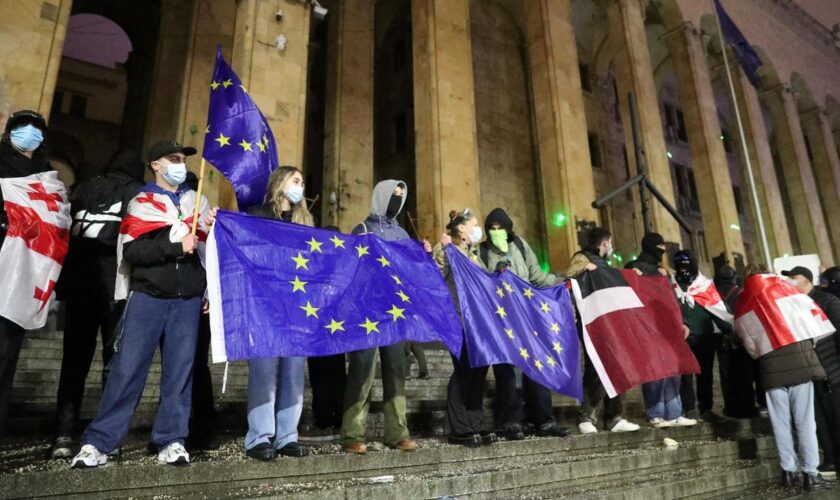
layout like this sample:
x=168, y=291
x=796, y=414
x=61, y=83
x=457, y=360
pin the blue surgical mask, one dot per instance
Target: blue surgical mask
x=27, y=137
x=476, y=234
x=176, y=173
x=294, y=194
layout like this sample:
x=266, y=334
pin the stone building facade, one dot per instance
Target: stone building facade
x=521, y=104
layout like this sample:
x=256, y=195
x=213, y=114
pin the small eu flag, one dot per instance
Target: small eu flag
x=237, y=139
x=745, y=54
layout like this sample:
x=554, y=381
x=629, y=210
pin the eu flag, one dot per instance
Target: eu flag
x=745, y=54
x=508, y=321
x=238, y=140
x=282, y=289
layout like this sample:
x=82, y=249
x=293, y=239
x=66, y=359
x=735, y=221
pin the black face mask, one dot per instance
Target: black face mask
x=657, y=252
x=685, y=276
x=394, y=206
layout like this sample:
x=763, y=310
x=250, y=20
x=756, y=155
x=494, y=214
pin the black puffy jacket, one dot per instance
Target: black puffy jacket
x=828, y=348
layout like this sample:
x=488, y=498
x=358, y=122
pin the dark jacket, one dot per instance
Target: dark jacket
x=791, y=365
x=828, y=348
x=266, y=210
x=377, y=222
x=160, y=268
x=15, y=164
x=647, y=263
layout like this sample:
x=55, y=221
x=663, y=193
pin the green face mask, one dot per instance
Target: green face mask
x=499, y=237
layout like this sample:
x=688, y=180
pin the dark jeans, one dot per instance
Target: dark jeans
x=145, y=321
x=827, y=413
x=738, y=374
x=203, y=414
x=328, y=379
x=593, y=394
x=703, y=347
x=509, y=403
x=11, y=341
x=465, y=396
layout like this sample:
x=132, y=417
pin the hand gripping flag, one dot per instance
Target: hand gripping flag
x=238, y=140
x=704, y=292
x=282, y=289
x=150, y=211
x=772, y=313
x=35, y=246
x=745, y=54
x=632, y=328
x=506, y=320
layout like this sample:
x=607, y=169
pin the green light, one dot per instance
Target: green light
x=735, y=227
x=633, y=257
x=722, y=138
x=559, y=219
x=545, y=267
x=669, y=155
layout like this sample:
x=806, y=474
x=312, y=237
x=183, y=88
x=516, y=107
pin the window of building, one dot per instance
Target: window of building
x=808, y=148
x=594, y=149
x=400, y=134
x=58, y=101
x=739, y=200
x=727, y=140
x=585, y=79
x=78, y=106
x=700, y=246
x=682, y=134
x=398, y=55
x=686, y=188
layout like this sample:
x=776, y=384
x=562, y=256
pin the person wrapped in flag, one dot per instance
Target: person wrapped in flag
x=160, y=273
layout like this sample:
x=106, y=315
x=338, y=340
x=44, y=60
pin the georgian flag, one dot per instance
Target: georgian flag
x=704, y=292
x=632, y=328
x=35, y=246
x=150, y=211
x=772, y=314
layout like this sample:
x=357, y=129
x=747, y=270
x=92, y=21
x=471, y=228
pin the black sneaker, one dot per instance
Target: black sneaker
x=262, y=451
x=293, y=450
x=488, y=438
x=790, y=479
x=514, y=434
x=468, y=440
x=552, y=430
x=62, y=448
x=813, y=482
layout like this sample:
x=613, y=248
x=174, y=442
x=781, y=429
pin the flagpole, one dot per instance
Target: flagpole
x=198, y=196
x=761, y=229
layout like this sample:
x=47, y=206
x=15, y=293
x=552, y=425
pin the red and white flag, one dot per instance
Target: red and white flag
x=149, y=211
x=35, y=246
x=772, y=313
x=632, y=328
x=704, y=292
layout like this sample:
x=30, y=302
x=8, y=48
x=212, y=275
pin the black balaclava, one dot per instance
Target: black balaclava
x=394, y=205
x=686, y=267
x=725, y=274
x=650, y=244
x=129, y=162
x=832, y=278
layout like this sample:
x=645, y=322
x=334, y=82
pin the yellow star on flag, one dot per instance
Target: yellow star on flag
x=300, y=261
x=222, y=140
x=528, y=293
x=508, y=288
x=265, y=139
x=538, y=364
x=544, y=307
x=246, y=146
x=261, y=146
x=214, y=85
x=524, y=353
x=550, y=361
x=370, y=326
x=207, y=129
x=310, y=311
x=557, y=347
x=227, y=83
x=334, y=326
x=404, y=297
x=297, y=284
x=396, y=312
x=500, y=292
x=397, y=279
x=555, y=328
x=314, y=245
x=362, y=250
x=385, y=262
x=501, y=311
x=509, y=333
x=338, y=242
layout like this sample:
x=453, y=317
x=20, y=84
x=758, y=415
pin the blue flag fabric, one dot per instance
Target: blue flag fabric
x=744, y=52
x=506, y=320
x=282, y=289
x=238, y=140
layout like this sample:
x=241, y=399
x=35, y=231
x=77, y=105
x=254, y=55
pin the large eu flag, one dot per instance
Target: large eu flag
x=508, y=321
x=237, y=139
x=282, y=289
x=745, y=54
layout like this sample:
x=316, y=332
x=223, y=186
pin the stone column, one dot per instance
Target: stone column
x=444, y=111
x=798, y=175
x=567, y=183
x=348, y=141
x=708, y=158
x=826, y=170
x=764, y=172
x=625, y=22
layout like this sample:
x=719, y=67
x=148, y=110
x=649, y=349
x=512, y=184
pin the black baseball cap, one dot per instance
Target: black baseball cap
x=799, y=271
x=166, y=148
x=25, y=117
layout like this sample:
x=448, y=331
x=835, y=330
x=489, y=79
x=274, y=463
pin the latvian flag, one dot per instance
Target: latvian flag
x=632, y=328
x=35, y=246
x=772, y=313
x=704, y=292
x=149, y=211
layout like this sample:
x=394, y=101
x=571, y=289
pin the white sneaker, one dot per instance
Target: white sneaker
x=624, y=426
x=174, y=454
x=88, y=458
x=683, y=422
x=660, y=423
x=587, y=428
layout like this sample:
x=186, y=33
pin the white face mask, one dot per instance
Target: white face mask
x=176, y=173
x=294, y=194
x=476, y=234
x=609, y=251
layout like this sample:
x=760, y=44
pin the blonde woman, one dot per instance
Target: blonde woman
x=275, y=385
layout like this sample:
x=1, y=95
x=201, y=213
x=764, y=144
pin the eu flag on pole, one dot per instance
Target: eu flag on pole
x=238, y=140
x=508, y=321
x=282, y=289
x=744, y=52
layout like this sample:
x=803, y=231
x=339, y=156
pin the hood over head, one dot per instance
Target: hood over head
x=128, y=162
x=500, y=217
x=382, y=196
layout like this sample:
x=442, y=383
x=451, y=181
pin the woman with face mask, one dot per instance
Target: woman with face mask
x=465, y=393
x=275, y=385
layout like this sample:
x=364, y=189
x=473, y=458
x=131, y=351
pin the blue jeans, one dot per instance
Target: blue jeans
x=275, y=401
x=147, y=322
x=662, y=398
x=798, y=401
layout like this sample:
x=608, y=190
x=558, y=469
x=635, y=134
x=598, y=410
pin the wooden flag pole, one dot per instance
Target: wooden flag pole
x=198, y=196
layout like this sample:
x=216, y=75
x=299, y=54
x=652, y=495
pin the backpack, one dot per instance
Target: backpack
x=484, y=251
x=99, y=205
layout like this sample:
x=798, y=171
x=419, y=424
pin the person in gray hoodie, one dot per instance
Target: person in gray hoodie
x=386, y=203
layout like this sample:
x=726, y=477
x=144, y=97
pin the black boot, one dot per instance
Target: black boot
x=468, y=440
x=812, y=482
x=789, y=479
